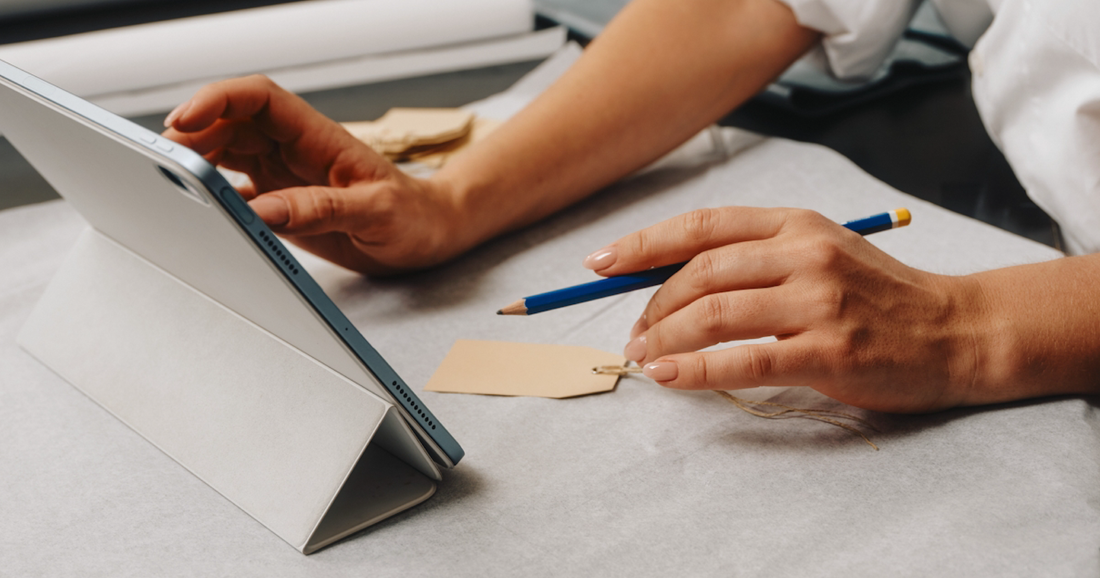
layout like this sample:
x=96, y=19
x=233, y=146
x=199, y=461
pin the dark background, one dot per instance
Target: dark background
x=926, y=140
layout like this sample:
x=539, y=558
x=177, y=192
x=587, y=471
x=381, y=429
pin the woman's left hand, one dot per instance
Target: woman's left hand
x=851, y=321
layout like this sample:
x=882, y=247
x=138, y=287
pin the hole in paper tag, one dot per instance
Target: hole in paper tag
x=527, y=369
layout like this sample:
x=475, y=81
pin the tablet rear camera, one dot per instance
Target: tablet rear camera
x=183, y=186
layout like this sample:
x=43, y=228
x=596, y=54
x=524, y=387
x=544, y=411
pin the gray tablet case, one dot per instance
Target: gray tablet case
x=182, y=315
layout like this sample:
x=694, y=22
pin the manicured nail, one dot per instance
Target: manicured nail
x=639, y=327
x=601, y=259
x=635, y=350
x=176, y=113
x=661, y=370
x=272, y=210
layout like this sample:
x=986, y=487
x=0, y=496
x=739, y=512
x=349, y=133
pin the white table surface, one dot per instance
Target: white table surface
x=641, y=481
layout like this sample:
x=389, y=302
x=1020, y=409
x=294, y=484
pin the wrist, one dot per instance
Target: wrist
x=472, y=219
x=460, y=226
x=985, y=370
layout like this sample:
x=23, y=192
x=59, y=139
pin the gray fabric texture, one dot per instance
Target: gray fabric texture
x=641, y=481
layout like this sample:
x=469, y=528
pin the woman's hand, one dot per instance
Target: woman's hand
x=317, y=184
x=851, y=321
x=627, y=101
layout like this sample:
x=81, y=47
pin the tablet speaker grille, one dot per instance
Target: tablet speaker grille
x=276, y=250
x=414, y=406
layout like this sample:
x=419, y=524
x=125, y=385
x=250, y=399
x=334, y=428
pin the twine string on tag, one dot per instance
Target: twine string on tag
x=745, y=405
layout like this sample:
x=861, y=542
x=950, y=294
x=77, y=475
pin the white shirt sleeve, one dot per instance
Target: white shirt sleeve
x=1036, y=81
x=859, y=34
x=966, y=19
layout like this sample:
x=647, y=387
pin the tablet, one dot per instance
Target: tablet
x=167, y=204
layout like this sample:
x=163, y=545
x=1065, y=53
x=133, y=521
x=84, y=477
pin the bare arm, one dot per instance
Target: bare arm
x=661, y=71
x=1037, y=330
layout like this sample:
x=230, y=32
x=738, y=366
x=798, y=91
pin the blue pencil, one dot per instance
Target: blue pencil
x=634, y=281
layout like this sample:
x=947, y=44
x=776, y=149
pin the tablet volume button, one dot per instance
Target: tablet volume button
x=237, y=206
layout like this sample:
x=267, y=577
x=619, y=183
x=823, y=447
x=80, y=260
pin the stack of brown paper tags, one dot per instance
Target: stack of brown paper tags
x=429, y=136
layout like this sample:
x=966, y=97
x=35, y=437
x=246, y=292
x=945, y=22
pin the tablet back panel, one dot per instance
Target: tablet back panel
x=170, y=206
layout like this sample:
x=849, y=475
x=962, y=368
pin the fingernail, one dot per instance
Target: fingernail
x=639, y=327
x=272, y=210
x=661, y=370
x=601, y=259
x=176, y=113
x=635, y=350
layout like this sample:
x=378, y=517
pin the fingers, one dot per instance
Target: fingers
x=718, y=318
x=780, y=363
x=748, y=265
x=272, y=209
x=685, y=236
x=380, y=228
x=343, y=251
x=311, y=210
x=279, y=113
x=254, y=126
x=267, y=172
x=236, y=136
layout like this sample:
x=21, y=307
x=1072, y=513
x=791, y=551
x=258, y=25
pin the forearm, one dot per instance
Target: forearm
x=1038, y=330
x=659, y=73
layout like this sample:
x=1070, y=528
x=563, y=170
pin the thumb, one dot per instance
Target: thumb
x=316, y=210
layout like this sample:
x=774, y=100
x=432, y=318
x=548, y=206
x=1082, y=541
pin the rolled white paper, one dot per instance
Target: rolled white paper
x=260, y=39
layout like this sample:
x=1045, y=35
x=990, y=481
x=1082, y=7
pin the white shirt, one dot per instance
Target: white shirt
x=1036, y=83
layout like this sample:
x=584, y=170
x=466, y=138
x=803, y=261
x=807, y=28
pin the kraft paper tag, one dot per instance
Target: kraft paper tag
x=402, y=129
x=527, y=369
x=436, y=156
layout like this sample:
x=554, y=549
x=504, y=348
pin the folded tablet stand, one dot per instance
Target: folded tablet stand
x=308, y=453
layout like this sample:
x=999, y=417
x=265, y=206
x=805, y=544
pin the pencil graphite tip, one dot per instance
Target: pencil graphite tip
x=517, y=308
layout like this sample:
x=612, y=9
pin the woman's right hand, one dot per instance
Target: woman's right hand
x=853, y=322
x=315, y=183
